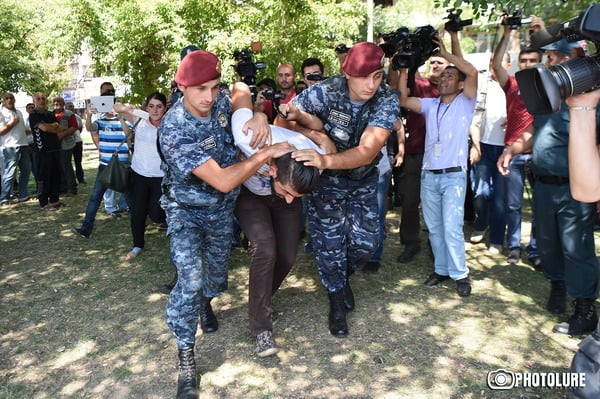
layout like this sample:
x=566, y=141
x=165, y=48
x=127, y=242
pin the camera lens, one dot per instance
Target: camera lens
x=577, y=75
x=543, y=89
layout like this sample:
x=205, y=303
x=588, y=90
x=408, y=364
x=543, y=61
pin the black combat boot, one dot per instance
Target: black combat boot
x=208, y=320
x=583, y=321
x=557, y=302
x=337, y=314
x=166, y=288
x=187, y=385
x=348, y=296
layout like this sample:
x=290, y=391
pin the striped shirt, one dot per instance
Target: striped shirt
x=110, y=135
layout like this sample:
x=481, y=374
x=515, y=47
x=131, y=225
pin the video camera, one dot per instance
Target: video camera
x=455, y=23
x=246, y=68
x=409, y=50
x=275, y=97
x=341, y=48
x=544, y=88
x=515, y=20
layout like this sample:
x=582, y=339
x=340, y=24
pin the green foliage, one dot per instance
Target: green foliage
x=141, y=51
x=139, y=42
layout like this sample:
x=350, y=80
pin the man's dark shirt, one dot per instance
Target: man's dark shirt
x=43, y=141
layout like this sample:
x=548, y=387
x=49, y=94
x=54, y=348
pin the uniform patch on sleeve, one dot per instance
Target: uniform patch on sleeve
x=222, y=119
x=208, y=143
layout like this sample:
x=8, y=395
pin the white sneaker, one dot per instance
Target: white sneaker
x=477, y=236
x=494, y=249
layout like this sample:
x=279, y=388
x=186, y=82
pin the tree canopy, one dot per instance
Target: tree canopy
x=140, y=41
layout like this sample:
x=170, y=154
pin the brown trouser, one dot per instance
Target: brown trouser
x=271, y=226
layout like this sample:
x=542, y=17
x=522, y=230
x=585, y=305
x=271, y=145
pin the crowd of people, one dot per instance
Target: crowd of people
x=329, y=154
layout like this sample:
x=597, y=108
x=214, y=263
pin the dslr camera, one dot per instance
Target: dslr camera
x=409, y=50
x=245, y=66
x=544, y=88
x=272, y=95
x=455, y=23
x=514, y=20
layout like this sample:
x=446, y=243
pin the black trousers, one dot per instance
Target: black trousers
x=78, y=157
x=49, y=175
x=144, y=201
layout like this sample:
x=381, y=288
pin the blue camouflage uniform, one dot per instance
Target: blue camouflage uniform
x=343, y=207
x=564, y=226
x=199, y=216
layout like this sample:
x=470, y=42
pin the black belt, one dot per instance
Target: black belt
x=553, y=179
x=446, y=170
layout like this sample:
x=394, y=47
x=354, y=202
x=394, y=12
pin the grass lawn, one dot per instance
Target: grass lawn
x=78, y=321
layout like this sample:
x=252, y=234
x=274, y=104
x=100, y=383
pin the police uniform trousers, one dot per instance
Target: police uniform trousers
x=565, y=238
x=200, y=240
x=343, y=225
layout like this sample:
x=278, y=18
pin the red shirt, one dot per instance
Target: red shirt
x=415, y=123
x=517, y=117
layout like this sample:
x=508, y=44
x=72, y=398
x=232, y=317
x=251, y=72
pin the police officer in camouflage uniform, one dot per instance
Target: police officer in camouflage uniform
x=358, y=111
x=199, y=191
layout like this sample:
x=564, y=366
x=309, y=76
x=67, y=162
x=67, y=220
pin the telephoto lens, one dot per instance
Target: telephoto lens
x=544, y=88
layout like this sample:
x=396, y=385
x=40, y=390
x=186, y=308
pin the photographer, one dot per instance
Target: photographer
x=518, y=122
x=584, y=152
x=414, y=147
x=443, y=178
x=565, y=226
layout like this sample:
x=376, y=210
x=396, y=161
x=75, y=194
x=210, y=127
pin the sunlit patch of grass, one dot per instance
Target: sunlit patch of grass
x=80, y=321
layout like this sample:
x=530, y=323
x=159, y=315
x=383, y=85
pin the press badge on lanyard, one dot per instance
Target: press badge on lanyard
x=437, y=147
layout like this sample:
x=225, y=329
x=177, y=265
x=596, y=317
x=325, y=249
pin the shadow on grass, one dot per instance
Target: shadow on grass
x=80, y=321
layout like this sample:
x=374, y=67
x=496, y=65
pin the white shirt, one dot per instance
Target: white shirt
x=260, y=184
x=146, y=161
x=491, y=107
x=15, y=137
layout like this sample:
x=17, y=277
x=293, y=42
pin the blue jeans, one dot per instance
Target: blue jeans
x=110, y=202
x=14, y=156
x=94, y=203
x=488, y=193
x=443, y=201
x=514, y=184
x=383, y=185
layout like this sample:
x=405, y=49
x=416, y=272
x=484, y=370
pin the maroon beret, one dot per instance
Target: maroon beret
x=363, y=59
x=198, y=67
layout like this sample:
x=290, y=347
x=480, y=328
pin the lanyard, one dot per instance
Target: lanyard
x=438, y=120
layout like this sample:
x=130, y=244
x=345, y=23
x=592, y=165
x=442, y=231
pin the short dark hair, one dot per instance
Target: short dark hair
x=301, y=177
x=461, y=75
x=157, y=96
x=310, y=62
x=267, y=82
x=106, y=84
x=528, y=50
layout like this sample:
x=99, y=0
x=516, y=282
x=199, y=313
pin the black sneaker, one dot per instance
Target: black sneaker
x=371, y=267
x=434, y=279
x=536, y=262
x=514, y=256
x=408, y=254
x=80, y=232
x=463, y=287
